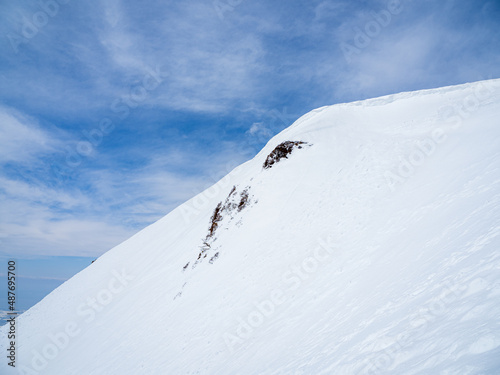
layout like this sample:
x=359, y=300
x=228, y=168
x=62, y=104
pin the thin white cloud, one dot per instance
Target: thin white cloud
x=40, y=218
x=207, y=66
x=66, y=237
x=23, y=191
x=21, y=137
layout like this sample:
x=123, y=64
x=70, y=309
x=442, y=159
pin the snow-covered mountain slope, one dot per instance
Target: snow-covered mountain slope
x=363, y=239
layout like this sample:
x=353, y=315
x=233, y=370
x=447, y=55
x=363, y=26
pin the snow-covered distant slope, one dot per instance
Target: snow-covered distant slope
x=371, y=247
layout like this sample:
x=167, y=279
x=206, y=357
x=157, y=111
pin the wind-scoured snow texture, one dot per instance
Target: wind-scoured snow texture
x=375, y=250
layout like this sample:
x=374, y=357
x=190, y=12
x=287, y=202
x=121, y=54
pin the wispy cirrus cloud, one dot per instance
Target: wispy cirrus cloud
x=210, y=66
x=100, y=204
x=21, y=137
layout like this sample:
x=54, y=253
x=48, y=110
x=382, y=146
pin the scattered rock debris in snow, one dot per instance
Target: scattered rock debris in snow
x=224, y=212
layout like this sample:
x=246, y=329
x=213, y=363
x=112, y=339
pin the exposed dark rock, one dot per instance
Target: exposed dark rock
x=214, y=258
x=216, y=217
x=244, y=200
x=232, y=204
x=281, y=151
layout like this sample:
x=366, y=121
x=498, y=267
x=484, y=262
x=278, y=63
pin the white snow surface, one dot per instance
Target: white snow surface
x=373, y=249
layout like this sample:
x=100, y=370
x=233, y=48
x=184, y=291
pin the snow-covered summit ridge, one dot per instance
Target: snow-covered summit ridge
x=403, y=104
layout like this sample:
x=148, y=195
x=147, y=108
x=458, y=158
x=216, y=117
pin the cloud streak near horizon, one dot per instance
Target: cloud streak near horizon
x=112, y=113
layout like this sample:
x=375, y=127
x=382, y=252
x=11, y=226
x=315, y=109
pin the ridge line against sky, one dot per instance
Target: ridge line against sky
x=113, y=113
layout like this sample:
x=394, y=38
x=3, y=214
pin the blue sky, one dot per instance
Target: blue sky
x=114, y=112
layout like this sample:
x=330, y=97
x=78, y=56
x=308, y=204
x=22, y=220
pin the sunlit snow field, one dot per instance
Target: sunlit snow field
x=374, y=249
